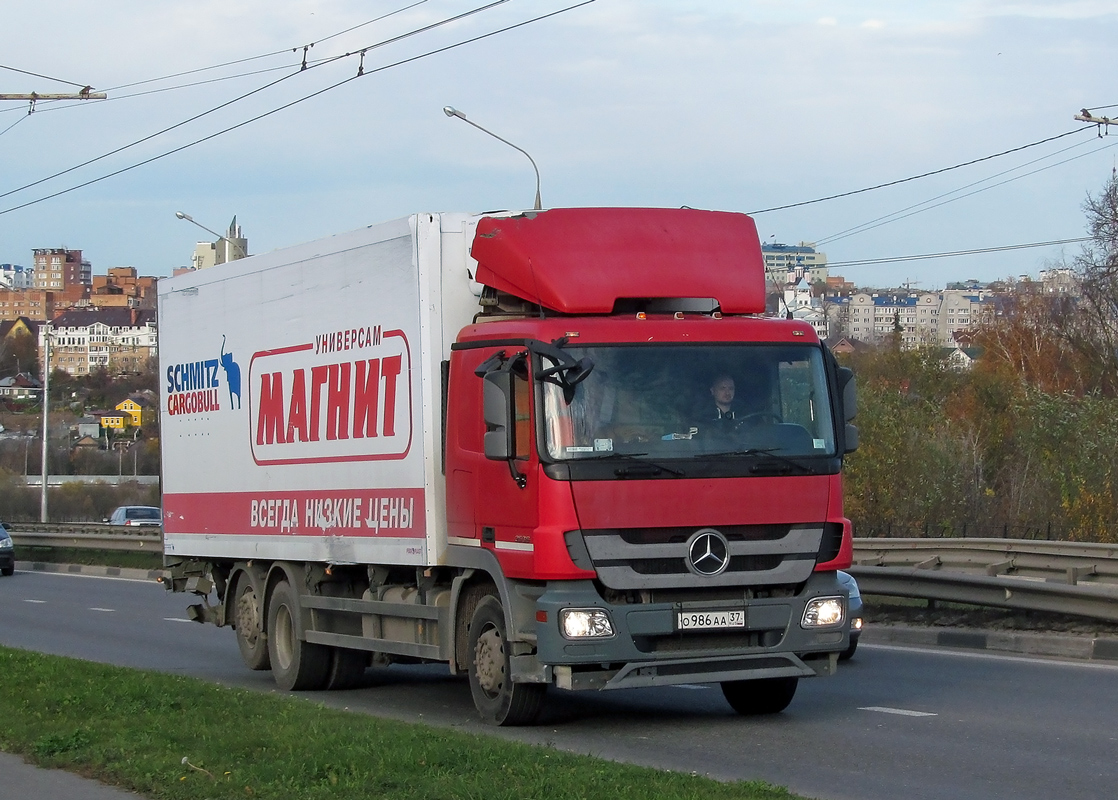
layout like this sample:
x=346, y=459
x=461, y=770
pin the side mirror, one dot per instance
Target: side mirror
x=851, y=436
x=849, y=389
x=498, y=442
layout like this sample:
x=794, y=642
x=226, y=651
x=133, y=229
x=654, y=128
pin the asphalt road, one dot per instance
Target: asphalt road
x=894, y=723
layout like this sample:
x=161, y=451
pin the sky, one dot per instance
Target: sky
x=733, y=105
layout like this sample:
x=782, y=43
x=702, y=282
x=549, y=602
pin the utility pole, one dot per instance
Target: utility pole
x=1104, y=123
x=85, y=94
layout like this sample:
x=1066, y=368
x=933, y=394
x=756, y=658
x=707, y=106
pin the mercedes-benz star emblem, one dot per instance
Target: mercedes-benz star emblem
x=708, y=552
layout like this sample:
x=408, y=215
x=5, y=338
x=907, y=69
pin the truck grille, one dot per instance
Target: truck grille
x=657, y=558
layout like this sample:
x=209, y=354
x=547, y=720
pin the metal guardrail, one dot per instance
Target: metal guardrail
x=88, y=536
x=1062, y=577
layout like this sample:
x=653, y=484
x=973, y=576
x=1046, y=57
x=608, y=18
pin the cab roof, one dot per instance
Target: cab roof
x=583, y=260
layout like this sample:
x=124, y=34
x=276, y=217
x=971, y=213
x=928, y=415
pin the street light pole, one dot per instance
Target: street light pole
x=46, y=417
x=236, y=246
x=454, y=112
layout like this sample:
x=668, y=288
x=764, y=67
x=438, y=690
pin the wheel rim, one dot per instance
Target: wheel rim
x=489, y=662
x=284, y=637
x=248, y=617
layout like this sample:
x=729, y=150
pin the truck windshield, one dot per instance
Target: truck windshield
x=692, y=401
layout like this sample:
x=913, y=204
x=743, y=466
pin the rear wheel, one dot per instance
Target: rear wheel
x=249, y=622
x=296, y=664
x=499, y=701
x=347, y=667
x=763, y=696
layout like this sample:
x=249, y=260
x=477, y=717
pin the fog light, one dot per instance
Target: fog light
x=824, y=612
x=856, y=624
x=585, y=623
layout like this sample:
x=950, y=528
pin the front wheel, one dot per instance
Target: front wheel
x=763, y=696
x=499, y=701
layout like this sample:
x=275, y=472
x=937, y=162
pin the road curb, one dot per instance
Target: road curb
x=1083, y=647
x=86, y=569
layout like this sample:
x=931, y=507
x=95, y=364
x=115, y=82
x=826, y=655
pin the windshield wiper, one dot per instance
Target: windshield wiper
x=762, y=451
x=649, y=467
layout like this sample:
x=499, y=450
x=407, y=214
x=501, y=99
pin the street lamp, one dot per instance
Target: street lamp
x=46, y=413
x=236, y=247
x=454, y=112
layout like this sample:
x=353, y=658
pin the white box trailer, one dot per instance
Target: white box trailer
x=337, y=459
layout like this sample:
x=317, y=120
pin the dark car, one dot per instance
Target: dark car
x=144, y=516
x=855, y=609
x=7, y=550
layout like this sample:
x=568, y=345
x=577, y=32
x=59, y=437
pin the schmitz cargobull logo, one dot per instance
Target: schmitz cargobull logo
x=195, y=387
x=346, y=396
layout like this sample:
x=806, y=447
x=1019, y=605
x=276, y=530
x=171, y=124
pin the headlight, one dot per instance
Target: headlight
x=6, y=543
x=585, y=623
x=824, y=612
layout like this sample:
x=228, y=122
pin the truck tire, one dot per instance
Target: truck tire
x=248, y=620
x=499, y=701
x=347, y=668
x=763, y=696
x=296, y=664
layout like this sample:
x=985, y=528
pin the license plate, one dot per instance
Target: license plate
x=706, y=620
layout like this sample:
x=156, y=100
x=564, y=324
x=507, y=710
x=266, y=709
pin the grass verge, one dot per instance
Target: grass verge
x=170, y=736
x=100, y=558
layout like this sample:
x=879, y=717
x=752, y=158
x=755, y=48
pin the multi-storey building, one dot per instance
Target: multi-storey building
x=34, y=304
x=13, y=276
x=916, y=318
x=229, y=247
x=786, y=263
x=122, y=288
x=57, y=269
x=60, y=279
x=117, y=339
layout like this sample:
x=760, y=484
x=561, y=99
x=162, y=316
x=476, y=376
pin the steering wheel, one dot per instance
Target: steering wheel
x=760, y=416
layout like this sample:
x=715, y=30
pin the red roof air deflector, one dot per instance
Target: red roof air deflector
x=581, y=260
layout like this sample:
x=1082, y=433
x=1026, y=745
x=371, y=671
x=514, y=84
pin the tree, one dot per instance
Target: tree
x=1094, y=330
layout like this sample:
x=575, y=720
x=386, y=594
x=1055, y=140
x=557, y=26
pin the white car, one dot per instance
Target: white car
x=855, y=606
x=142, y=516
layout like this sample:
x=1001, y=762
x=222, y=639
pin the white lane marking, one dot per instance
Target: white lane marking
x=109, y=610
x=176, y=619
x=904, y=712
x=33, y=601
x=690, y=686
x=992, y=655
x=94, y=577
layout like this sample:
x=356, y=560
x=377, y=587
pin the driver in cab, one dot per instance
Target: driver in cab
x=724, y=415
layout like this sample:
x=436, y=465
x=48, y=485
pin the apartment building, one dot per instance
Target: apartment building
x=13, y=276
x=917, y=318
x=119, y=340
x=121, y=287
x=59, y=279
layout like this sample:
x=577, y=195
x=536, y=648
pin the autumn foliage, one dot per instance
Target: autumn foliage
x=1024, y=444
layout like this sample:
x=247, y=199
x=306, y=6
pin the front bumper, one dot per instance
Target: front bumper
x=646, y=649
